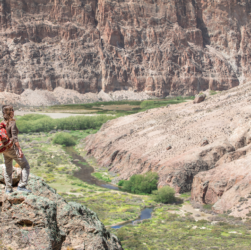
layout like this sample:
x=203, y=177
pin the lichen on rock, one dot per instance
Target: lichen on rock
x=44, y=220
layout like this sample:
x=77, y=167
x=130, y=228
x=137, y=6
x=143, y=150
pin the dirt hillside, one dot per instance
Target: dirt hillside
x=201, y=147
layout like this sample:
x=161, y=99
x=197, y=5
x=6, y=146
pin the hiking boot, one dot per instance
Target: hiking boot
x=8, y=191
x=23, y=189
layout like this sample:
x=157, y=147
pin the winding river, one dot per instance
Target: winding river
x=86, y=170
x=145, y=214
x=85, y=174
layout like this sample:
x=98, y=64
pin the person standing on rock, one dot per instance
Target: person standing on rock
x=14, y=153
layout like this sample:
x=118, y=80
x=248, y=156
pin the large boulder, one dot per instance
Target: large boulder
x=227, y=187
x=16, y=175
x=199, y=98
x=44, y=220
x=180, y=171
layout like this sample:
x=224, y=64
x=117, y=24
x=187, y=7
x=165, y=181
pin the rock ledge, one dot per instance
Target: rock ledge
x=44, y=220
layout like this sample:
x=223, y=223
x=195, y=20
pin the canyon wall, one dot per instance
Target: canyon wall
x=167, y=47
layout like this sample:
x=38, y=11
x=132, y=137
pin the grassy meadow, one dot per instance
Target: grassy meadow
x=168, y=230
x=117, y=108
x=170, y=227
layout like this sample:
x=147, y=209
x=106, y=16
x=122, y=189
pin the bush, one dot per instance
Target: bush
x=141, y=184
x=42, y=123
x=120, y=184
x=165, y=194
x=101, y=177
x=208, y=206
x=64, y=139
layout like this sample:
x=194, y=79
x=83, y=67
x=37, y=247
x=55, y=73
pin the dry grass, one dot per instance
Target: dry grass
x=16, y=165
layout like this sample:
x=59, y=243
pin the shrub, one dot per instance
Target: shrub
x=120, y=184
x=101, y=177
x=43, y=123
x=141, y=184
x=165, y=194
x=64, y=139
x=122, y=234
x=207, y=206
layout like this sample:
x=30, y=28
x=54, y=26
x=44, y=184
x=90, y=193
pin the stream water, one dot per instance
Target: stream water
x=85, y=172
x=145, y=214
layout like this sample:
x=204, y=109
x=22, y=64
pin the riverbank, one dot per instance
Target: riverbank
x=145, y=214
x=184, y=230
x=59, y=170
x=86, y=170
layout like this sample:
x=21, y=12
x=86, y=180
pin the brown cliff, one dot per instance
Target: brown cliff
x=176, y=47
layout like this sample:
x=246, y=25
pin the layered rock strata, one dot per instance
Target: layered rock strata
x=44, y=220
x=159, y=47
x=138, y=143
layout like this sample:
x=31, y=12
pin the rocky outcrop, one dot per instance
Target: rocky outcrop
x=159, y=47
x=199, y=98
x=227, y=186
x=44, y=220
x=206, y=139
x=15, y=176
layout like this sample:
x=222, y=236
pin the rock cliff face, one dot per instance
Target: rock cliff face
x=44, y=220
x=170, y=47
x=202, y=147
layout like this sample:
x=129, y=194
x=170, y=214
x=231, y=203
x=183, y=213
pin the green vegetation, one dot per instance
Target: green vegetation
x=101, y=176
x=118, y=108
x=212, y=92
x=141, y=184
x=94, y=104
x=165, y=195
x=42, y=123
x=112, y=207
x=55, y=166
x=168, y=230
x=64, y=139
x=185, y=195
x=149, y=104
x=207, y=206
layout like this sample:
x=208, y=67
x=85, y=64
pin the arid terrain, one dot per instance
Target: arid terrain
x=201, y=147
x=157, y=47
x=43, y=98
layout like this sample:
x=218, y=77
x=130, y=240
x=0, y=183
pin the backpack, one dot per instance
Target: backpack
x=5, y=142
